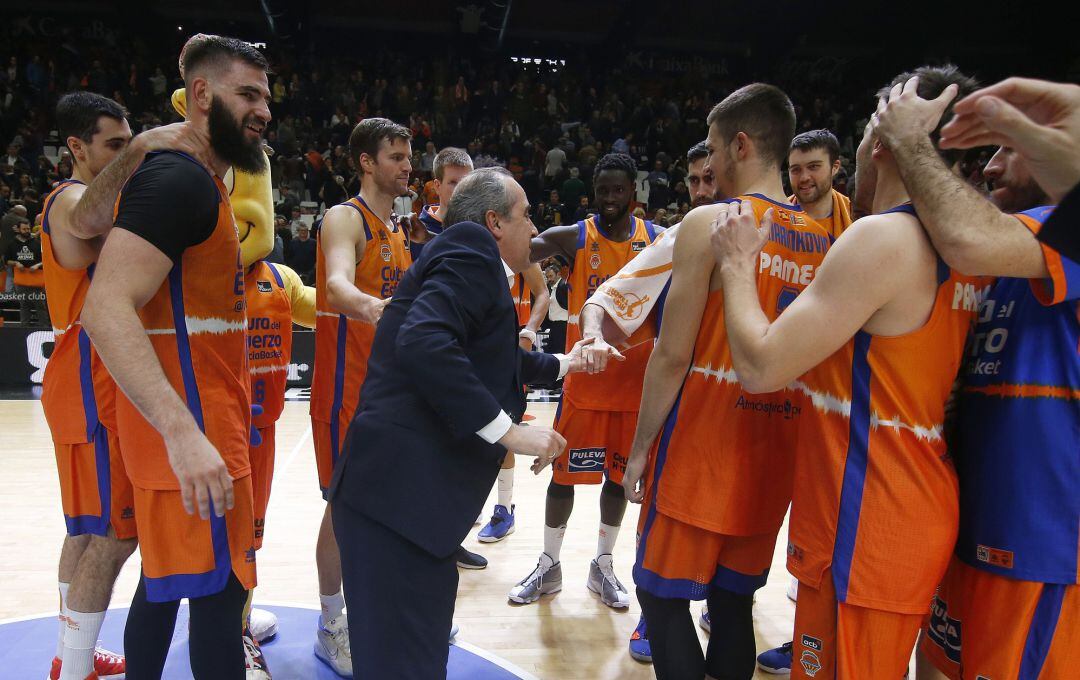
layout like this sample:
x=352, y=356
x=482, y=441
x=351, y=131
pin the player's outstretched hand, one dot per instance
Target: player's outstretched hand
x=372, y=310
x=591, y=355
x=184, y=137
x=736, y=238
x=1037, y=118
x=904, y=117
x=543, y=442
x=201, y=473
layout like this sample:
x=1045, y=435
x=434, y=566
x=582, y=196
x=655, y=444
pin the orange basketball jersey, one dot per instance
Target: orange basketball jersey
x=77, y=392
x=196, y=325
x=269, y=339
x=597, y=259
x=875, y=494
x=342, y=345
x=522, y=294
x=725, y=457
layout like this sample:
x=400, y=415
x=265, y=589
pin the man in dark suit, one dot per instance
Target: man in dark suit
x=437, y=414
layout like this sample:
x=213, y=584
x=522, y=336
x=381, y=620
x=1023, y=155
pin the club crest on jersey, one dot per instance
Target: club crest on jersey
x=586, y=460
x=637, y=246
x=264, y=286
x=385, y=252
x=594, y=260
x=810, y=662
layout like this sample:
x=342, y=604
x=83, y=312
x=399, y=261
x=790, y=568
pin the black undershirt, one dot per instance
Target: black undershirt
x=171, y=202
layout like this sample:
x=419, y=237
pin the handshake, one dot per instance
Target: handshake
x=590, y=355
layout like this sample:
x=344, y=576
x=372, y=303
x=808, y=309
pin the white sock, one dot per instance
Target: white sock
x=506, y=487
x=606, y=543
x=62, y=619
x=79, y=642
x=553, y=537
x=332, y=606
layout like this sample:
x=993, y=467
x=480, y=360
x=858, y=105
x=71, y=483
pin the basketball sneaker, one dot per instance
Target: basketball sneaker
x=263, y=624
x=640, y=649
x=499, y=527
x=454, y=630
x=254, y=662
x=793, y=590
x=469, y=560
x=107, y=665
x=776, y=661
x=332, y=645
x=705, y=622
x=545, y=579
x=603, y=582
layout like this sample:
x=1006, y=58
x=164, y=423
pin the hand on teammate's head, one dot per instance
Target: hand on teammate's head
x=905, y=117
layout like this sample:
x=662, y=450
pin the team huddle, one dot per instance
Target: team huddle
x=899, y=372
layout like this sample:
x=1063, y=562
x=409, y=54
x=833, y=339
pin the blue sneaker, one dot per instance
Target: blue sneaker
x=500, y=526
x=640, y=649
x=776, y=661
x=705, y=622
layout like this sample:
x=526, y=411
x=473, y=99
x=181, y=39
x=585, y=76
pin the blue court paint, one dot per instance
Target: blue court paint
x=27, y=648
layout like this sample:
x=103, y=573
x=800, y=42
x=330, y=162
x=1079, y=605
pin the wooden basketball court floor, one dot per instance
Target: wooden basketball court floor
x=570, y=635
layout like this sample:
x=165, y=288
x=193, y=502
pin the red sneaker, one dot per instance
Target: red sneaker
x=106, y=665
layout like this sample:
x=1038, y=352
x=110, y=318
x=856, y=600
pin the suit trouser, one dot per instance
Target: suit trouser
x=400, y=600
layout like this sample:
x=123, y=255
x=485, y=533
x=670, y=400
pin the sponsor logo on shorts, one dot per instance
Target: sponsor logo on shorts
x=637, y=246
x=811, y=642
x=249, y=555
x=264, y=286
x=586, y=460
x=943, y=630
x=127, y=513
x=794, y=552
x=994, y=556
x=618, y=462
x=810, y=662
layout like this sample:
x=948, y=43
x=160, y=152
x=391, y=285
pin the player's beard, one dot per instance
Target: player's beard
x=229, y=142
x=815, y=194
x=1019, y=197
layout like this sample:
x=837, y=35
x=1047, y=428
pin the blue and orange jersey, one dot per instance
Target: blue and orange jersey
x=269, y=339
x=196, y=325
x=522, y=295
x=343, y=345
x=77, y=392
x=1018, y=434
x=596, y=259
x=875, y=493
x=725, y=457
x=431, y=223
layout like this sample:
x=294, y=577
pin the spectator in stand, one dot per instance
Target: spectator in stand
x=13, y=158
x=5, y=199
x=287, y=200
x=622, y=144
x=24, y=255
x=553, y=165
x=659, y=188
x=573, y=188
x=555, y=213
x=301, y=254
x=427, y=160
x=333, y=191
x=583, y=209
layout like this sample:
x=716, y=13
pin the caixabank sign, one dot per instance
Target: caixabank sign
x=24, y=353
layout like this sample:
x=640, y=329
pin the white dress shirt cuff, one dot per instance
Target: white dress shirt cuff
x=564, y=365
x=494, y=431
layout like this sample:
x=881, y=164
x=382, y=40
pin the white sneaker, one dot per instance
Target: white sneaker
x=254, y=662
x=332, y=645
x=454, y=630
x=263, y=624
x=603, y=582
x=544, y=579
x=793, y=589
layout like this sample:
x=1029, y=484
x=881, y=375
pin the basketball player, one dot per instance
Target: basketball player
x=361, y=255
x=879, y=334
x=166, y=312
x=78, y=395
x=699, y=178
x=450, y=167
x=813, y=162
x=1009, y=604
x=722, y=473
x=596, y=414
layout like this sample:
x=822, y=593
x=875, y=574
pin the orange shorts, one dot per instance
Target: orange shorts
x=985, y=625
x=683, y=561
x=836, y=639
x=185, y=556
x=328, y=439
x=262, y=478
x=597, y=442
x=94, y=487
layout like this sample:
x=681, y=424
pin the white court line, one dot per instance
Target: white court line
x=296, y=449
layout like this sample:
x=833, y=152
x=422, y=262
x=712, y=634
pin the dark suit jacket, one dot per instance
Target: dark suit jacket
x=445, y=361
x=1061, y=231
